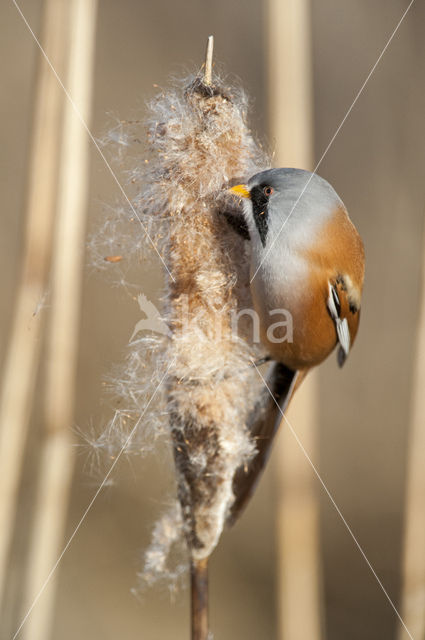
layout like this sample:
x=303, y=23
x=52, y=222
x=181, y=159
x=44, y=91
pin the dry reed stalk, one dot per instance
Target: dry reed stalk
x=291, y=123
x=208, y=412
x=297, y=519
x=21, y=363
x=57, y=457
x=413, y=563
x=199, y=599
x=199, y=143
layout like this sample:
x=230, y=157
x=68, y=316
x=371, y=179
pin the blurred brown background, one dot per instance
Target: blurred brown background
x=377, y=166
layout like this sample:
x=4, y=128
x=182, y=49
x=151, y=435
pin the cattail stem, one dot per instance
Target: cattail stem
x=202, y=143
x=199, y=599
x=208, y=61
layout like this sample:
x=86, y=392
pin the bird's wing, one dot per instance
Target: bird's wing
x=345, y=315
x=264, y=423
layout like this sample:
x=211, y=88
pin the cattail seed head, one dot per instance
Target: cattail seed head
x=198, y=144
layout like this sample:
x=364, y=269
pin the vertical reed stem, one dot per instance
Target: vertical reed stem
x=413, y=557
x=22, y=358
x=199, y=568
x=208, y=61
x=199, y=599
x=57, y=455
x=291, y=126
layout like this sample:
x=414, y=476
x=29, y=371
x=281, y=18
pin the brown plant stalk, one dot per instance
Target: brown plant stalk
x=200, y=144
x=203, y=409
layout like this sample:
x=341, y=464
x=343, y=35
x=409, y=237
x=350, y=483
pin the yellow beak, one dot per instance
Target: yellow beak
x=240, y=190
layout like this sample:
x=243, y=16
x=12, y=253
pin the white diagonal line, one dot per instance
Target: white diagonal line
x=359, y=93
x=92, y=138
x=338, y=510
x=91, y=503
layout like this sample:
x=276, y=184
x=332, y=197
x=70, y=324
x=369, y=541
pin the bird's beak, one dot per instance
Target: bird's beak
x=240, y=190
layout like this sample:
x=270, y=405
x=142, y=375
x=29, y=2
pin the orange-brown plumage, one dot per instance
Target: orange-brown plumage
x=336, y=257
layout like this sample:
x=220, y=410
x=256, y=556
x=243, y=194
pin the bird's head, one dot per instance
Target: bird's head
x=279, y=202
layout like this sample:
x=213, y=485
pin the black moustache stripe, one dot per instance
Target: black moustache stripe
x=260, y=210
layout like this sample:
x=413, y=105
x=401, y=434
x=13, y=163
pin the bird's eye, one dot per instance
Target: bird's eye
x=268, y=191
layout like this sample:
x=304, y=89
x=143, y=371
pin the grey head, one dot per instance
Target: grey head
x=287, y=205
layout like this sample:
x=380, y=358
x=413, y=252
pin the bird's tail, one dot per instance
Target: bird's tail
x=264, y=423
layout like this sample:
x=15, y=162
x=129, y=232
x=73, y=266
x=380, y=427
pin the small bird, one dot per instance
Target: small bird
x=306, y=258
